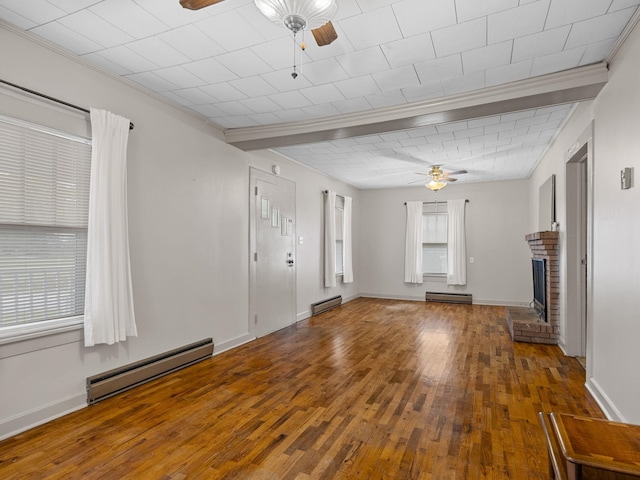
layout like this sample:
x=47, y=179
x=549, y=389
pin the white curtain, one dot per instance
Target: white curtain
x=413, y=244
x=456, y=244
x=347, y=276
x=330, y=239
x=108, y=311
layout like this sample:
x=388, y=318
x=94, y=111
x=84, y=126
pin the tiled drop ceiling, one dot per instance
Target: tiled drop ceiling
x=230, y=65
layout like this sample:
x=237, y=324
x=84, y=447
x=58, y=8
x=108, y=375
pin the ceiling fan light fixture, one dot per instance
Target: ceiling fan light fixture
x=436, y=185
x=313, y=14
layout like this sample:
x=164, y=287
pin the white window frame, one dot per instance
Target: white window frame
x=439, y=211
x=30, y=330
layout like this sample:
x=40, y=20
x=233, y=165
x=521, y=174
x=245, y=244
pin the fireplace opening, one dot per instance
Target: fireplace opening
x=540, y=287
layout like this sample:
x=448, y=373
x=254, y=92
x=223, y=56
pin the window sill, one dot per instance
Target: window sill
x=19, y=333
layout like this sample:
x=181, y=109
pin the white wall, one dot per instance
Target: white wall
x=188, y=222
x=497, y=220
x=612, y=373
x=189, y=274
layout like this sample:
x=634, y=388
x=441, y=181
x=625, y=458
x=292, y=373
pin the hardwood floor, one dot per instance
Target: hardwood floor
x=375, y=389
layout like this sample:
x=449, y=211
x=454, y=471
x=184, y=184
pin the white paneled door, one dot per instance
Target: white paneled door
x=273, y=267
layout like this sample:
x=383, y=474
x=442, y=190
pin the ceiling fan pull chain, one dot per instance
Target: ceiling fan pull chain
x=294, y=74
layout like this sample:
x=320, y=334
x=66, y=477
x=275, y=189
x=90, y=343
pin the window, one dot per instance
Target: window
x=434, y=240
x=339, y=235
x=44, y=205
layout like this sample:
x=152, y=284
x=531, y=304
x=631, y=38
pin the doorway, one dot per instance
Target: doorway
x=272, y=287
x=579, y=175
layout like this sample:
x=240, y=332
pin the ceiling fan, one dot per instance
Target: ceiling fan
x=440, y=178
x=294, y=15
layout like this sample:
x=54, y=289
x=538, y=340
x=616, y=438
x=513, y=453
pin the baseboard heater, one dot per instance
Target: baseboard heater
x=324, y=305
x=464, y=298
x=108, y=384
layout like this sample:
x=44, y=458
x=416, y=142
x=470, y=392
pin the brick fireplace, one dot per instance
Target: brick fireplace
x=524, y=324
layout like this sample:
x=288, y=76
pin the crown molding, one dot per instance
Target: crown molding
x=569, y=86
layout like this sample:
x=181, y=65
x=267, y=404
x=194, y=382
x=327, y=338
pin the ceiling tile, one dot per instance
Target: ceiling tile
x=600, y=28
x=234, y=108
x=210, y=71
x=264, y=118
x=557, y=61
x=324, y=110
x=244, y=63
x=253, y=86
x=223, y=92
x=171, y=12
x=358, y=87
x=621, y=4
x=397, y=78
x=152, y=81
x=471, y=9
x=597, y=52
x=37, y=11
x=543, y=43
x=418, y=16
x=371, y=28
x=129, y=17
x=71, y=6
x=322, y=94
x=517, y=22
x=567, y=12
x=180, y=77
x=128, y=59
x=98, y=59
x=508, y=73
x=352, y=105
x=283, y=82
x=288, y=100
x=363, y=62
x=195, y=96
x=291, y=115
x=16, y=19
x=260, y=104
x=323, y=71
x=409, y=50
x=386, y=99
x=158, y=52
x=277, y=53
x=487, y=57
x=461, y=37
x=57, y=33
x=90, y=25
x=192, y=42
x=439, y=68
x=230, y=31
x=425, y=91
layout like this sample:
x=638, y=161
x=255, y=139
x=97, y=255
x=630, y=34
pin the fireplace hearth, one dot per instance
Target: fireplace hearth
x=528, y=324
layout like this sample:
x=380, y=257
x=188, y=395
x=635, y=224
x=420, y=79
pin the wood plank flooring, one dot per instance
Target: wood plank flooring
x=375, y=389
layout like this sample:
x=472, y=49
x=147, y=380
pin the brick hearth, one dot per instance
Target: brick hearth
x=524, y=324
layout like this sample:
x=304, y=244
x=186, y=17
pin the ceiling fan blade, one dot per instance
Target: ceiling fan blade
x=325, y=34
x=198, y=4
x=459, y=172
x=449, y=179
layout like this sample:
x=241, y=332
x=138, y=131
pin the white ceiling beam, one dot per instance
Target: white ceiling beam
x=569, y=86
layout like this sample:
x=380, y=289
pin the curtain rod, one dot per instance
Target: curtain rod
x=428, y=203
x=325, y=192
x=62, y=102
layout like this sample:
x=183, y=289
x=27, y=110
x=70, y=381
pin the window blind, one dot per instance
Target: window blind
x=44, y=204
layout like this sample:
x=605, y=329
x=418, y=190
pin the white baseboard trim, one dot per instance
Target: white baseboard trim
x=303, y=315
x=603, y=401
x=41, y=415
x=233, y=343
x=476, y=301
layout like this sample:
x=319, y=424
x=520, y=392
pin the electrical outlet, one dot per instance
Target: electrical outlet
x=472, y=260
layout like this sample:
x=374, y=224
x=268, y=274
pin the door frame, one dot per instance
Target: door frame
x=254, y=174
x=578, y=331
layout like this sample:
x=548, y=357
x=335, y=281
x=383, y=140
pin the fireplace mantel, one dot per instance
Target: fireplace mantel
x=524, y=324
